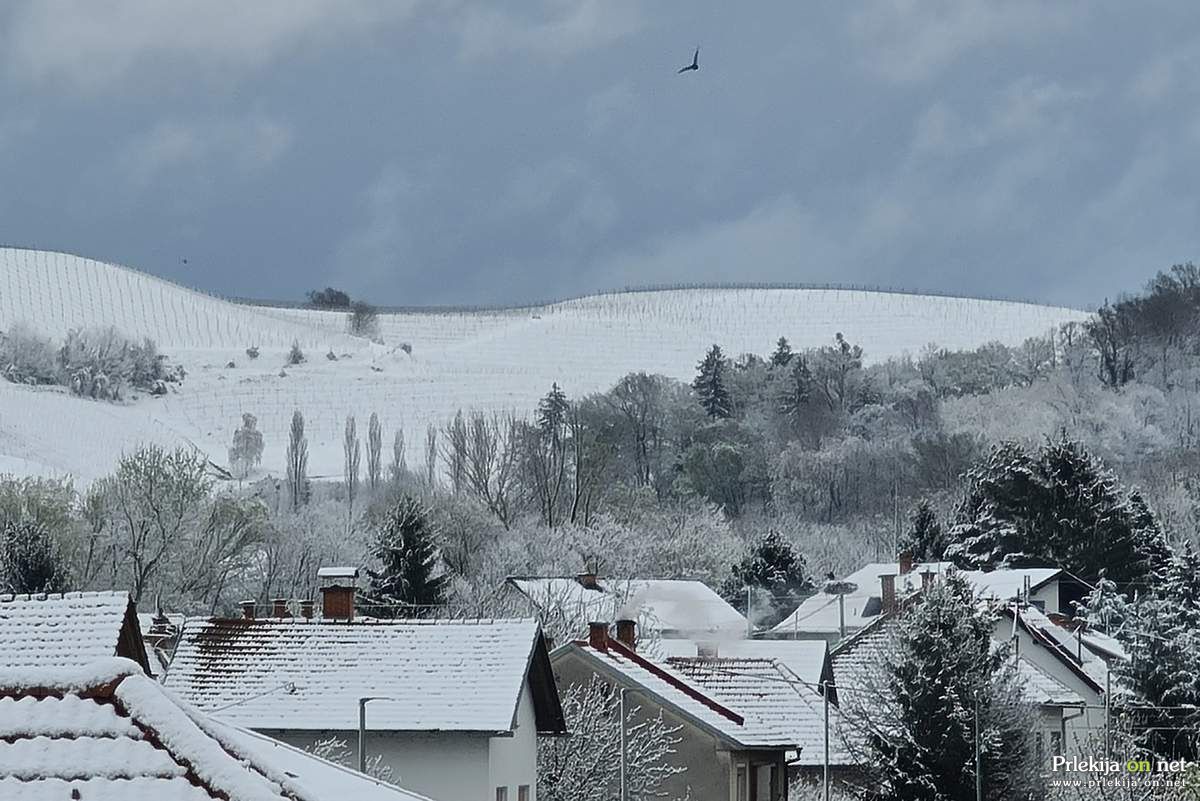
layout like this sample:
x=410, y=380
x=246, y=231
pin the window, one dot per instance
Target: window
x=523, y=793
x=1056, y=743
x=501, y=794
x=743, y=784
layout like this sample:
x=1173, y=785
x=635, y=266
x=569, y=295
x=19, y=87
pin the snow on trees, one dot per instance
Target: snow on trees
x=407, y=581
x=925, y=539
x=30, y=561
x=246, y=452
x=352, y=454
x=776, y=576
x=586, y=765
x=1056, y=506
x=710, y=386
x=374, y=452
x=297, y=462
x=914, y=713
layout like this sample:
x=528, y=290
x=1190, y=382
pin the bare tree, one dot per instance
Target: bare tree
x=398, y=468
x=297, y=462
x=484, y=455
x=586, y=765
x=374, y=451
x=352, y=451
x=431, y=452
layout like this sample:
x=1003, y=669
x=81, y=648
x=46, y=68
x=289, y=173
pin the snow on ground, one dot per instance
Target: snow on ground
x=494, y=360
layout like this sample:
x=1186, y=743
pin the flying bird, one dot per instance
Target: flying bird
x=695, y=65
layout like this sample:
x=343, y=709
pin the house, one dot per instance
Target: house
x=69, y=629
x=673, y=608
x=729, y=753
x=105, y=731
x=454, y=708
x=808, y=659
x=832, y=617
x=1066, y=686
x=767, y=689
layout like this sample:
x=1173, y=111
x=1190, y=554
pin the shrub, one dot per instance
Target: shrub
x=100, y=362
x=26, y=357
x=295, y=355
x=363, y=320
x=252, y=351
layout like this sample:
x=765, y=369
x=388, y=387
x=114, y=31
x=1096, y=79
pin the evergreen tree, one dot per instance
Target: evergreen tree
x=246, y=451
x=297, y=462
x=794, y=394
x=405, y=549
x=783, y=354
x=1161, y=633
x=710, y=384
x=912, y=720
x=777, y=576
x=925, y=539
x=551, y=414
x=1056, y=507
x=29, y=559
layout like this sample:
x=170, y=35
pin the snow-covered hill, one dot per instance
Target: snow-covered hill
x=490, y=359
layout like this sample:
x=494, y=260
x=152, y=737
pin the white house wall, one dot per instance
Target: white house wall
x=512, y=761
x=445, y=767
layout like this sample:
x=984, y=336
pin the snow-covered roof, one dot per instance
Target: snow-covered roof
x=434, y=675
x=674, y=690
x=672, y=606
x=106, y=731
x=1064, y=645
x=337, y=572
x=1042, y=688
x=805, y=658
x=1008, y=583
x=819, y=614
x=766, y=690
x=67, y=629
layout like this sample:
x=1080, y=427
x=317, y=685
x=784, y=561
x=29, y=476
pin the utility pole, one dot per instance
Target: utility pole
x=621, y=712
x=978, y=754
x=749, y=619
x=825, y=783
x=842, y=615
x=362, y=728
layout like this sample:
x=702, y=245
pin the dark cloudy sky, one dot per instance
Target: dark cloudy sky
x=461, y=152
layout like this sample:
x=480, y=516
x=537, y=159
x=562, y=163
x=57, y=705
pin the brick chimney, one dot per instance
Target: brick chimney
x=598, y=636
x=627, y=633
x=337, y=592
x=306, y=609
x=279, y=607
x=248, y=610
x=906, y=562
x=887, y=593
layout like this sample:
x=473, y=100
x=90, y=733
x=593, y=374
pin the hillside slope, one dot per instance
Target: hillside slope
x=492, y=360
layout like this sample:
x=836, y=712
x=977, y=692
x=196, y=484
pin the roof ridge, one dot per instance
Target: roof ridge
x=675, y=681
x=9, y=597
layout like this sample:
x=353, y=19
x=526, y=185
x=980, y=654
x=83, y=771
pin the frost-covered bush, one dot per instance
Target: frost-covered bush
x=246, y=451
x=101, y=362
x=295, y=355
x=252, y=352
x=26, y=357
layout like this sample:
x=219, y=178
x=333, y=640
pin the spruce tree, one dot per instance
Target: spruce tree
x=407, y=581
x=912, y=711
x=777, y=572
x=710, y=384
x=925, y=539
x=1055, y=507
x=551, y=414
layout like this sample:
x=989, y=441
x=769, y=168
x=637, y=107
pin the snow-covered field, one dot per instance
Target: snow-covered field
x=490, y=359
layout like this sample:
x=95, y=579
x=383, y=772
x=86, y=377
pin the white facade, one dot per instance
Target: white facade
x=450, y=766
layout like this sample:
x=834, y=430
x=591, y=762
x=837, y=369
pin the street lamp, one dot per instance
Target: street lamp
x=362, y=728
